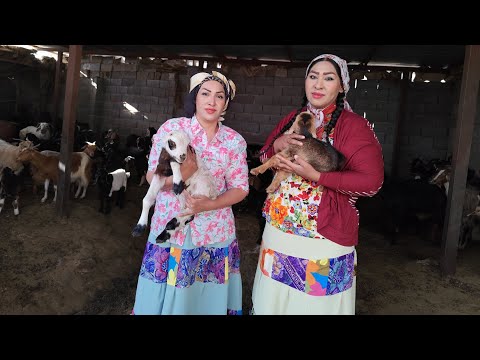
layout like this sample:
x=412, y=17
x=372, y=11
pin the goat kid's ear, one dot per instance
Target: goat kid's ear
x=36, y=146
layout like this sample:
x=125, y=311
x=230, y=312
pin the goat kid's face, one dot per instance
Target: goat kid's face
x=90, y=148
x=43, y=127
x=304, y=123
x=25, y=155
x=441, y=177
x=177, y=145
x=26, y=144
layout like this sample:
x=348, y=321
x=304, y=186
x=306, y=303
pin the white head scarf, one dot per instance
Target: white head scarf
x=342, y=64
x=200, y=78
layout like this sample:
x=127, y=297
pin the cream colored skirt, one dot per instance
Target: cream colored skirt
x=297, y=275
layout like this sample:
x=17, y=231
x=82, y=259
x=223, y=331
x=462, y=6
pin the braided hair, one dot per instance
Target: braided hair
x=340, y=105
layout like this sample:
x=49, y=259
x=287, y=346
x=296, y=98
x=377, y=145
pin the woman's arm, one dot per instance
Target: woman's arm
x=199, y=204
x=236, y=180
x=365, y=172
x=279, y=144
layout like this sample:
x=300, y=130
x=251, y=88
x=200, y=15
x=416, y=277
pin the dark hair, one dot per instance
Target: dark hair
x=190, y=106
x=336, y=114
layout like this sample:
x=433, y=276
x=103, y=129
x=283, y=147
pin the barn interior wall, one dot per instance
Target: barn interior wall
x=264, y=96
x=8, y=93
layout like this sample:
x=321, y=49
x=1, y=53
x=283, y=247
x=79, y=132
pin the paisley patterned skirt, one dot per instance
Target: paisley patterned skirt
x=303, y=276
x=189, y=280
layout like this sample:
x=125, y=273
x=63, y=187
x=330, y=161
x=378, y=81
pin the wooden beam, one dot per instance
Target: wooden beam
x=56, y=89
x=461, y=157
x=68, y=131
x=288, y=49
x=373, y=50
x=401, y=116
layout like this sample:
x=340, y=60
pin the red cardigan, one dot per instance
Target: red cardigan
x=362, y=175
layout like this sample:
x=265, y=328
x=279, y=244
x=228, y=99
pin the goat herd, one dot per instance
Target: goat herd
x=101, y=161
x=34, y=157
x=423, y=199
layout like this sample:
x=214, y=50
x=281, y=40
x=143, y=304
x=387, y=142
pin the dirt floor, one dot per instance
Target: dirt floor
x=88, y=263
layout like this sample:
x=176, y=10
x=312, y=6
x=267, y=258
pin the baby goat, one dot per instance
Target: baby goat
x=109, y=182
x=320, y=154
x=201, y=182
x=9, y=187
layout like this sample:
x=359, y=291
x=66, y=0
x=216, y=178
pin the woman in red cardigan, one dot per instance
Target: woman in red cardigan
x=307, y=260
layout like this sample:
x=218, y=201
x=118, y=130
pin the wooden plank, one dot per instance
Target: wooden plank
x=461, y=157
x=56, y=89
x=68, y=131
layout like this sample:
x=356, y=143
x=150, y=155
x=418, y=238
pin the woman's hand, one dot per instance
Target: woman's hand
x=196, y=204
x=283, y=141
x=189, y=166
x=299, y=167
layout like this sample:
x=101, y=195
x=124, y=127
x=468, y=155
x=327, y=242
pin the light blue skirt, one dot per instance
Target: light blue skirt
x=189, y=280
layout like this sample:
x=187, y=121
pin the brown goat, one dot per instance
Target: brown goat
x=321, y=155
x=47, y=169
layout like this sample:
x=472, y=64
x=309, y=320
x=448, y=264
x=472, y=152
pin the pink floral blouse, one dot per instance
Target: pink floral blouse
x=225, y=156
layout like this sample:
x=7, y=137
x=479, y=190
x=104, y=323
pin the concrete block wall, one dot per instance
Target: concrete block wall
x=8, y=98
x=152, y=93
x=377, y=101
x=266, y=94
x=428, y=120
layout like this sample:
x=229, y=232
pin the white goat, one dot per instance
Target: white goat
x=201, y=182
x=9, y=154
x=110, y=182
x=42, y=131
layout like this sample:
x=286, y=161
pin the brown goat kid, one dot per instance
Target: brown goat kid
x=321, y=155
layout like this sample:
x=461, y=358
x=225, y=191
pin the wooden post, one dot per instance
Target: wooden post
x=56, y=89
x=68, y=131
x=461, y=157
x=401, y=115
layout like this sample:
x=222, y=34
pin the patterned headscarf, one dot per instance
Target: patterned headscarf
x=342, y=64
x=229, y=85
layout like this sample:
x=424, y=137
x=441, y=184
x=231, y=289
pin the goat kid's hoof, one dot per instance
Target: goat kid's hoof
x=138, y=230
x=178, y=188
x=270, y=190
x=164, y=236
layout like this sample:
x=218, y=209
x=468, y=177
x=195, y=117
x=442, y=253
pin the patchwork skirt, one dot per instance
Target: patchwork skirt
x=189, y=280
x=300, y=275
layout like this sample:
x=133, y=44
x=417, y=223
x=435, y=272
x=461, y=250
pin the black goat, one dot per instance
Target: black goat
x=9, y=186
x=412, y=201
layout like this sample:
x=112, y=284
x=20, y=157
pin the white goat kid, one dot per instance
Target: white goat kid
x=173, y=154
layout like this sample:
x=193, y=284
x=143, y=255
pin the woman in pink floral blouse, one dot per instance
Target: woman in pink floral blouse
x=198, y=270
